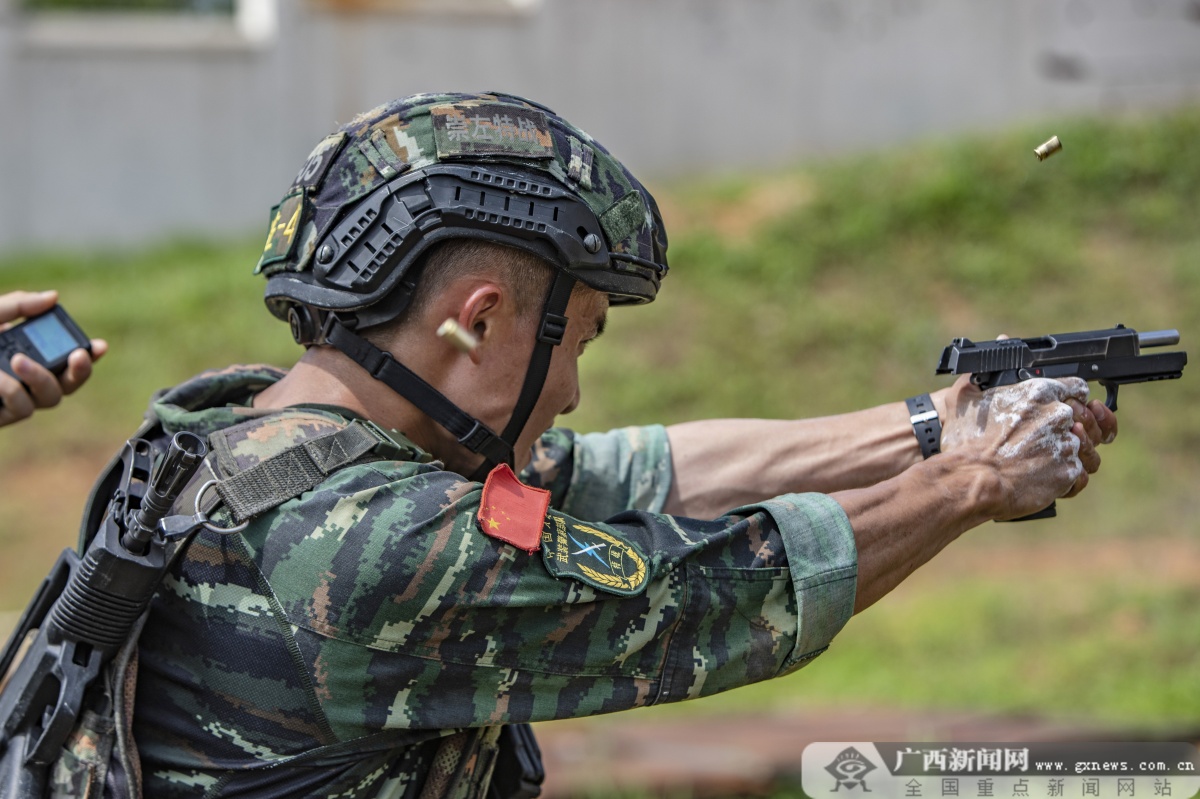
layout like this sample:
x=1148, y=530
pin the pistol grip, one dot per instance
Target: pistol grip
x=1045, y=513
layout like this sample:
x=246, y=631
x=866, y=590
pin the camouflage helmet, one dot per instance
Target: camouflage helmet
x=344, y=248
x=373, y=196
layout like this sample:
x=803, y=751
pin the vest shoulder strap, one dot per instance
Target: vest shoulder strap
x=265, y=462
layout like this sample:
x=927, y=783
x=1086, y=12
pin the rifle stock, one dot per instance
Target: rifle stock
x=83, y=614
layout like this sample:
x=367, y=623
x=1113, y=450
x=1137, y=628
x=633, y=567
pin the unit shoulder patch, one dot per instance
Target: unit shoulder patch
x=511, y=511
x=592, y=556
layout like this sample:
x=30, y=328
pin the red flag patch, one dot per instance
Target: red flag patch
x=512, y=511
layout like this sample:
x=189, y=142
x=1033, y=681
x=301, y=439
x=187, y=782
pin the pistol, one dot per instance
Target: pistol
x=1112, y=358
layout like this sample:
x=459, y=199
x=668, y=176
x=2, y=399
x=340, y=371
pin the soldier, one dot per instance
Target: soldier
x=398, y=596
x=37, y=387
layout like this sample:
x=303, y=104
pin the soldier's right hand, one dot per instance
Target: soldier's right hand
x=1023, y=434
x=37, y=386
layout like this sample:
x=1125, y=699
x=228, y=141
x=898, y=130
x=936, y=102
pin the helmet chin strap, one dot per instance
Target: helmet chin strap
x=467, y=430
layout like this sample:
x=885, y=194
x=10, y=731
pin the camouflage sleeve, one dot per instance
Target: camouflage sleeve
x=597, y=475
x=411, y=617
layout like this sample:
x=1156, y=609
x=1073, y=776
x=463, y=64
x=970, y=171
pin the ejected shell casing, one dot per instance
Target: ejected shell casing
x=460, y=339
x=1047, y=149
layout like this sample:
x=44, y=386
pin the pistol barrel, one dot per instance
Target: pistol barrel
x=1158, y=338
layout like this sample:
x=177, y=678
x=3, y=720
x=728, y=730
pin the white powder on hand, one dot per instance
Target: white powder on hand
x=1006, y=407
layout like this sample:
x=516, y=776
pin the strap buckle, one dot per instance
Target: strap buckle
x=387, y=447
x=482, y=441
x=382, y=363
x=329, y=320
x=554, y=327
x=327, y=324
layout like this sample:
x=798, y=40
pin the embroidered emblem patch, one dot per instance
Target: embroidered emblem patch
x=592, y=556
x=314, y=169
x=491, y=129
x=285, y=223
x=512, y=511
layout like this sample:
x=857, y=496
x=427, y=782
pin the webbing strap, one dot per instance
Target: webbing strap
x=290, y=473
x=470, y=432
x=550, y=334
x=460, y=765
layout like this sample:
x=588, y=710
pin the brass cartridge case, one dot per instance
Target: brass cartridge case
x=1047, y=149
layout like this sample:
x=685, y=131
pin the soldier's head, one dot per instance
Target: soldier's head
x=434, y=191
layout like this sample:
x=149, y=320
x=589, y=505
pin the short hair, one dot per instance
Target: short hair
x=524, y=274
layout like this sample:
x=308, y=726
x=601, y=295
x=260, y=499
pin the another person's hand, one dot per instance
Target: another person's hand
x=41, y=388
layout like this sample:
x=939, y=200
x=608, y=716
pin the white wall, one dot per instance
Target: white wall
x=135, y=133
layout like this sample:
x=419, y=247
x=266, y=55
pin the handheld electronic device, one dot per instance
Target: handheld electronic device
x=48, y=339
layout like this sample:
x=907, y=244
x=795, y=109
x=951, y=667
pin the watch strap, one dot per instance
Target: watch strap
x=926, y=425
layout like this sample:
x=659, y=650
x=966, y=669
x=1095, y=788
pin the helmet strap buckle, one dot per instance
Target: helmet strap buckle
x=554, y=327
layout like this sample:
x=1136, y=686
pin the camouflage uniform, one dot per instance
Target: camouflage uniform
x=328, y=649
x=368, y=637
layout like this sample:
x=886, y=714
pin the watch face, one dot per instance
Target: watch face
x=51, y=337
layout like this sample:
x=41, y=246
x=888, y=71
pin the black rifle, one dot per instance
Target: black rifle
x=1111, y=358
x=84, y=613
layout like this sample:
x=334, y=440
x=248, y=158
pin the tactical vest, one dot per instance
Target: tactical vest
x=100, y=758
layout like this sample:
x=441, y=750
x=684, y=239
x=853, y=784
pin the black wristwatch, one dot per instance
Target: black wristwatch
x=926, y=424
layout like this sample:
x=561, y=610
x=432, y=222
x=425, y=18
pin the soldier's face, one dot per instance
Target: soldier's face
x=587, y=312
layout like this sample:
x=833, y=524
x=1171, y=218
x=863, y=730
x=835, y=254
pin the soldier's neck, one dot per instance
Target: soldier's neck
x=324, y=376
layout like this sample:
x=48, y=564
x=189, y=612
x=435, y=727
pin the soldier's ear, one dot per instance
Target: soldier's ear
x=485, y=313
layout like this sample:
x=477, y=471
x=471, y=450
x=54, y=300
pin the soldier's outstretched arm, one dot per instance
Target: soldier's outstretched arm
x=1009, y=453
x=1024, y=454
x=722, y=463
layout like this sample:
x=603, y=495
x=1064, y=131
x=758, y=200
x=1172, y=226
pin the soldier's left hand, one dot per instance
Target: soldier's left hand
x=1094, y=425
x=960, y=407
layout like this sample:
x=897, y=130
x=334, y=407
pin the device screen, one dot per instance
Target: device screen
x=51, y=338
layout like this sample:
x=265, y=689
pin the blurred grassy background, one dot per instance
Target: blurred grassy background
x=809, y=291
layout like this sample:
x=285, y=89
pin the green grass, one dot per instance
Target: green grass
x=813, y=290
x=843, y=296
x=167, y=312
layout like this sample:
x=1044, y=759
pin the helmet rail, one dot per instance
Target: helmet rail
x=366, y=255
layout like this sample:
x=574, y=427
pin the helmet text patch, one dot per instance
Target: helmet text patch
x=491, y=129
